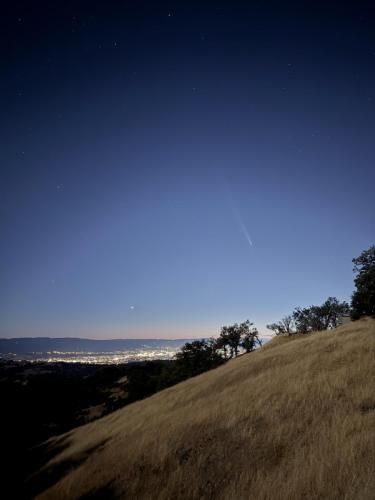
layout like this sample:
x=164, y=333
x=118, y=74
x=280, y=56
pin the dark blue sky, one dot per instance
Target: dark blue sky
x=167, y=169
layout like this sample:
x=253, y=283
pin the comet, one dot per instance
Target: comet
x=242, y=226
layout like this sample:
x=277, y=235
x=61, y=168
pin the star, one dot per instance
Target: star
x=132, y=308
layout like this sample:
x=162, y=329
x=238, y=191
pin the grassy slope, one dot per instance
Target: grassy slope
x=294, y=420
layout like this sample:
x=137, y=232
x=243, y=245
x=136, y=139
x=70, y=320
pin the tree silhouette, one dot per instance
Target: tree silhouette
x=235, y=336
x=197, y=357
x=285, y=325
x=316, y=318
x=363, y=299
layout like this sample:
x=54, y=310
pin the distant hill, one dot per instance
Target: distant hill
x=293, y=420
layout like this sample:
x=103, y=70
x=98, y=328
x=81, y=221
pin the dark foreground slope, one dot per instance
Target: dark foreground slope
x=294, y=420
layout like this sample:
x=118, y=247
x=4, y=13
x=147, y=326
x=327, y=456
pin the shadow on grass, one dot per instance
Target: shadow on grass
x=44, y=476
x=103, y=493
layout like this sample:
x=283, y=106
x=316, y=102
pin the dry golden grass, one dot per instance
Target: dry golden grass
x=294, y=420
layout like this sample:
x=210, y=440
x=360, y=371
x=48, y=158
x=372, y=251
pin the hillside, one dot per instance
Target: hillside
x=293, y=420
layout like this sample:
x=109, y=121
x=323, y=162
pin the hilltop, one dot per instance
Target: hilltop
x=295, y=419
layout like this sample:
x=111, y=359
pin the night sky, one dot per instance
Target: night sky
x=169, y=168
